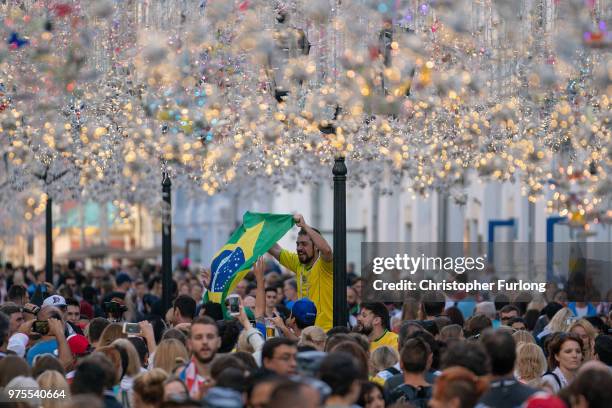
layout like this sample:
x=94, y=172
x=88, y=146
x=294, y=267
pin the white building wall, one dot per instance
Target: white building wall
x=402, y=217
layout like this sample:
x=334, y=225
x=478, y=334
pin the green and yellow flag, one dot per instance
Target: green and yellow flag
x=256, y=235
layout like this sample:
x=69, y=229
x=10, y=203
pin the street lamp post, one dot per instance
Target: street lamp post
x=49, y=241
x=340, y=308
x=166, y=242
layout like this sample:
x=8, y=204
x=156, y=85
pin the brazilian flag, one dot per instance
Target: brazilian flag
x=256, y=235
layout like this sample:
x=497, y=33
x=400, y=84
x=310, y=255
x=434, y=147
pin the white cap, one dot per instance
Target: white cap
x=18, y=343
x=54, y=300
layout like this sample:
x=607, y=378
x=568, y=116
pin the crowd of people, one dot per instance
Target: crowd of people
x=99, y=338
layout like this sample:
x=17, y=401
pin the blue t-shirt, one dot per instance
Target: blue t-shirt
x=262, y=328
x=43, y=347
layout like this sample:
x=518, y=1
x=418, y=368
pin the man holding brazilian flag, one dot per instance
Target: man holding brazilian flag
x=259, y=234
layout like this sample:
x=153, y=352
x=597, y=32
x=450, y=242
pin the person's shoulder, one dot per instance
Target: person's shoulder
x=524, y=390
x=287, y=254
x=411, y=392
x=322, y=265
x=76, y=328
x=289, y=260
x=111, y=402
x=389, y=339
x=391, y=335
x=43, y=345
x=513, y=395
x=322, y=262
x=393, y=381
x=494, y=397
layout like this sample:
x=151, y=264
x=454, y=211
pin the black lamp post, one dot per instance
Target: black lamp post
x=49, y=241
x=340, y=307
x=166, y=242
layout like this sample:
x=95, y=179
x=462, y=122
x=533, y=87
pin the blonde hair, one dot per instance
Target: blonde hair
x=538, y=304
x=168, y=354
x=523, y=336
x=243, y=343
x=590, y=331
x=313, y=336
x=560, y=321
x=149, y=386
x=384, y=357
x=133, y=367
x=110, y=333
x=54, y=381
x=410, y=309
x=530, y=362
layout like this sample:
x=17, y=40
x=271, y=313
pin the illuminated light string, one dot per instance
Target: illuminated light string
x=240, y=93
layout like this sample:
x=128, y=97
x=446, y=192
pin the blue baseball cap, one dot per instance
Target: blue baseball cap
x=304, y=311
x=122, y=277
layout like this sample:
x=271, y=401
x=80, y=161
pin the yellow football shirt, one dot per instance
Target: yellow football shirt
x=316, y=283
x=387, y=339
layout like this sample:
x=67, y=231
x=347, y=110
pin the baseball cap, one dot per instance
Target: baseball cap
x=122, y=277
x=55, y=300
x=304, y=311
x=86, y=310
x=79, y=345
x=543, y=400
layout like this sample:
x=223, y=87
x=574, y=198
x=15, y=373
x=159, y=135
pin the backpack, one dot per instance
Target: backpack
x=555, y=376
x=392, y=371
x=418, y=397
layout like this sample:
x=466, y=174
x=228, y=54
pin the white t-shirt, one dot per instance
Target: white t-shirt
x=582, y=311
x=386, y=373
x=552, y=381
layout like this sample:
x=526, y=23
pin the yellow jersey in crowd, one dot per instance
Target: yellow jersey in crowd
x=387, y=339
x=315, y=283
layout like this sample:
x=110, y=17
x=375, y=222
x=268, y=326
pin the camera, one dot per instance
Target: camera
x=131, y=328
x=233, y=302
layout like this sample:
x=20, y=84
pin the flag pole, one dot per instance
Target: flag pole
x=166, y=242
x=340, y=308
x=49, y=241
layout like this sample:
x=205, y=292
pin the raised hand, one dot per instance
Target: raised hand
x=205, y=277
x=259, y=268
x=243, y=318
x=146, y=329
x=299, y=220
x=278, y=321
x=56, y=328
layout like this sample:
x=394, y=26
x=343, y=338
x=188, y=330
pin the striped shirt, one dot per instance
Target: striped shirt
x=192, y=379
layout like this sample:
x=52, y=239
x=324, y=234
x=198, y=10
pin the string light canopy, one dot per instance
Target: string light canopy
x=97, y=97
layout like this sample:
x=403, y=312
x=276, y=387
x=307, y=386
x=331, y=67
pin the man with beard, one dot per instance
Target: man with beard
x=353, y=306
x=313, y=267
x=203, y=342
x=373, y=321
